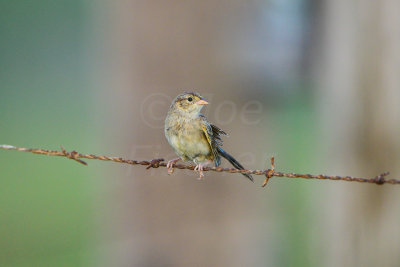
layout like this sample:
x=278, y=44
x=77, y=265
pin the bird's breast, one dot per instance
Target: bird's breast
x=188, y=140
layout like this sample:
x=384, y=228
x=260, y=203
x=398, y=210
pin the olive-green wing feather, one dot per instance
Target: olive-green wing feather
x=213, y=135
x=213, y=139
x=217, y=133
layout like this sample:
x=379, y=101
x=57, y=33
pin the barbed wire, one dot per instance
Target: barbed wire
x=155, y=163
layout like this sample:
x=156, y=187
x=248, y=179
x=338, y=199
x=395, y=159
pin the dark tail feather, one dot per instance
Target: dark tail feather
x=234, y=162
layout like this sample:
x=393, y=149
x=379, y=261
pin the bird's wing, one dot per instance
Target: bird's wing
x=217, y=133
x=212, y=133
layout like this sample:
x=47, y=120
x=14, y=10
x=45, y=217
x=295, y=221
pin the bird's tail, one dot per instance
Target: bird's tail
x=234, y=162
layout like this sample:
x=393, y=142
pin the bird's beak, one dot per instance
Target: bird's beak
x=201, y=102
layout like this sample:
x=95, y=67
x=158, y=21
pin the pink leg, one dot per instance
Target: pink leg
x=170, y=165
x=200, y=167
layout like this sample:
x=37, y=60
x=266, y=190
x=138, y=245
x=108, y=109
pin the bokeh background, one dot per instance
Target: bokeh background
x=314, y=83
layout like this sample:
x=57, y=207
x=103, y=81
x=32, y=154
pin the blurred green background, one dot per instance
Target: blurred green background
x=314, y=83
x=46, y=204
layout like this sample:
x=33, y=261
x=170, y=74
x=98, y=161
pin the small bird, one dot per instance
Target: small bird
x=192, y=137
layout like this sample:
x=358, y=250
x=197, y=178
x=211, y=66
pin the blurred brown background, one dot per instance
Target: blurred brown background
x=314, y=83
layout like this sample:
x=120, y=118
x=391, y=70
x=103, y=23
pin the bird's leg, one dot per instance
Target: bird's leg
x=200, y=167
x=170, y=165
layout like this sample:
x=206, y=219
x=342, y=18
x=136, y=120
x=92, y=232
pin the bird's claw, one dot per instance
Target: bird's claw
x=199, y=168
x=201, y=176
x=170, y=165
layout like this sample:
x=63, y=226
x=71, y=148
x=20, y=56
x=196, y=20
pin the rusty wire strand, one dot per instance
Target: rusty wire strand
x=155, y=163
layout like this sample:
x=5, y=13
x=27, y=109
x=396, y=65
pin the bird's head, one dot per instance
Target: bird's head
x=189, y=103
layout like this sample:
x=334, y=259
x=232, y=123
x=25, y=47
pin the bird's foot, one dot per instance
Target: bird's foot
x=200, y=167
x=170, y=165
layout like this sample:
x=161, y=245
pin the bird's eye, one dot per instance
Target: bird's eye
x=190, y=99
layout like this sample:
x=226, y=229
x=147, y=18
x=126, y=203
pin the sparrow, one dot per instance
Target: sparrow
x=193, y=138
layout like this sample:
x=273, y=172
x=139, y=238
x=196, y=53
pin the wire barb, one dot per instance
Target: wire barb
x=269, y=173
x=155, y=163
x=72, y=155
x=380, y=179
